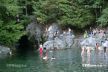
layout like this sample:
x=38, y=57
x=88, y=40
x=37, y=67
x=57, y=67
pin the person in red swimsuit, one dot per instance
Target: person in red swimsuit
x=41, y=51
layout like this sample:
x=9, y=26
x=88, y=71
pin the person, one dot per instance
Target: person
x=94, y=32
x=69, y=30
x=90, y=34
x=101, y=34
x=105, y=45
x=54, y=53
x=41, y=50
x=83, y=50
x=83, y=53
x=55, y=34
x=85, y=34
x=97, y=46
x=45, y=53
x=88, y=54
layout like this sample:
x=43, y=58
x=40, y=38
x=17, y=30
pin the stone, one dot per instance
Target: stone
x=4, y=51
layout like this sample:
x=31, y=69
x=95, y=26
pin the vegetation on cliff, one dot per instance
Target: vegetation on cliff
x=75, y=13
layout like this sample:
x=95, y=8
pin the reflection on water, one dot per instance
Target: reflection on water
x=68, y=60
x=94, y=58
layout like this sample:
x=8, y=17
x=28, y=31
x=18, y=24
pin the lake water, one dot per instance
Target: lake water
x=68, y=60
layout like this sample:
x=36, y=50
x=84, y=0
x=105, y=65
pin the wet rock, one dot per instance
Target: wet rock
x=89, y=42
x=34, y=30
x=53, y=30
x=57, y=39
x=57, y=43
x=4, y=51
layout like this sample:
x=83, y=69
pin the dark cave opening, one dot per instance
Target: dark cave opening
x=24, y=46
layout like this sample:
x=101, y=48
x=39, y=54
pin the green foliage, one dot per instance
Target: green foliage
x=76, y=13
x=90, y=2
x=46, y=10
x=75, y=16
x=62, y=11
x=103, y=19
x=11, y=6
x=10, y=33
x=25, y=20
x=3, y=13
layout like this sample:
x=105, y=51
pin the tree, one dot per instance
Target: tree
x=10, y=32
x=11, y=6
x=64, y=12
x=103, y=19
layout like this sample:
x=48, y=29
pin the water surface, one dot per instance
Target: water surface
x=68, y=60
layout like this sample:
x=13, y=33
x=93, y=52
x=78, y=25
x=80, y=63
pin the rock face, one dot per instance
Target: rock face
x=4, y=52
x=34, y=30
x=90, y=41
x=54, y=36
x=57, y=39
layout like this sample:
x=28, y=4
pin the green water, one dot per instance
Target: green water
x=68, y=60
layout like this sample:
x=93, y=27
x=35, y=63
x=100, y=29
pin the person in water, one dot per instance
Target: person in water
x=88, y=54
x=105, y=45
x=45, y=53
x=41, y=51
x=97, y=46
x=83, y=50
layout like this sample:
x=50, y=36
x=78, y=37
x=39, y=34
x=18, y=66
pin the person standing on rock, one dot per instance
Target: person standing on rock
x=85, y=34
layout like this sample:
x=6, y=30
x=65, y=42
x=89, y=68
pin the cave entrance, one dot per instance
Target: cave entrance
x=25, y=46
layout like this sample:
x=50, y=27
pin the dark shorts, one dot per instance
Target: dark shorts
x=104, y=49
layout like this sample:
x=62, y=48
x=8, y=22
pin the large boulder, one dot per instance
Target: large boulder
x=53, y=30
x=56, y=43
x=90, y=41
x=57, y=39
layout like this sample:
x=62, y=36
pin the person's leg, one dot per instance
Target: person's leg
x=104, y=49
x=88, y=55
x=83, y=49
x=82, y=54
x=41, y=54
x=105, y=52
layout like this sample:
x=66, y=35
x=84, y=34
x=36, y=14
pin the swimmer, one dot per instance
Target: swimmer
x=41, y=51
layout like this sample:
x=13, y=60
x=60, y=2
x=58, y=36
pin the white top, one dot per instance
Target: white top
x=105, y=44
x=41, y=46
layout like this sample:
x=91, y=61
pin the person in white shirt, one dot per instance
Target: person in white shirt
x=105, y=45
